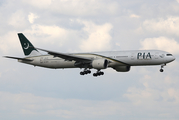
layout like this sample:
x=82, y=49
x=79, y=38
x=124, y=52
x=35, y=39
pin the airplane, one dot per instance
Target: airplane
x=121, y=61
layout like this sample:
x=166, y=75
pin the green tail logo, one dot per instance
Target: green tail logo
x=27, y=46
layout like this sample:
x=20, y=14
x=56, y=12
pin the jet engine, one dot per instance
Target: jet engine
x=100, y=64
x=122, y=68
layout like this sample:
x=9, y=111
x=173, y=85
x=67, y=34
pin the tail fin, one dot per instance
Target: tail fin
x=27, y=46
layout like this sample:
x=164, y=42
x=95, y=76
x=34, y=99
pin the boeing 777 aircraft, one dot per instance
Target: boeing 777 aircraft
x=121, y=61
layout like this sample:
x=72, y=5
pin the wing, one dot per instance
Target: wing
x=24, y=59
x=69, y=57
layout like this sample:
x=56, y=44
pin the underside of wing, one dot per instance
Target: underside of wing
x=69, y=57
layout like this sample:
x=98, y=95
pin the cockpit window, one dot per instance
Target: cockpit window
x=169, y=54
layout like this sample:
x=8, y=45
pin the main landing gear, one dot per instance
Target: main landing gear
x=161, y=70
x=85, y=72
x=98, y=73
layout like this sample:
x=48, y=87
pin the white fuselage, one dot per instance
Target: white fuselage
x=115, y=58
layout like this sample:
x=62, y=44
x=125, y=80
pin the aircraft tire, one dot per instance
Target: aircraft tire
x=102, y=73
x=161, y=70
x=89, y=71
x=85, y=72
x=94, y=74
x=81, y=73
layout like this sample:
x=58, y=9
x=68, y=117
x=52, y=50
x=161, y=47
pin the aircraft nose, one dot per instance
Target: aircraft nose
x=173, y=58
x=170, y=58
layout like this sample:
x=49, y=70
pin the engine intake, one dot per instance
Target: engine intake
x=100, y=64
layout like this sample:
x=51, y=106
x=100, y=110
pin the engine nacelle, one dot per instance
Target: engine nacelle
x=100, y=64
x=122, y=68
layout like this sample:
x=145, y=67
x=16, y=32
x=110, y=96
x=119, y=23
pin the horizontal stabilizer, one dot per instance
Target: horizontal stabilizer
x=24, y=59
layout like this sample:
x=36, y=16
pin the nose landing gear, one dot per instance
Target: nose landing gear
x=162, y=66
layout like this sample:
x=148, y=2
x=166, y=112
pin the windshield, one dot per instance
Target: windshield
x=169, y=54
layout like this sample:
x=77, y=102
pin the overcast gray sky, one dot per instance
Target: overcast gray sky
x=34, y=93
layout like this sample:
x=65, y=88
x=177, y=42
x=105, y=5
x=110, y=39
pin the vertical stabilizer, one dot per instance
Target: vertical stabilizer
x=27, y=46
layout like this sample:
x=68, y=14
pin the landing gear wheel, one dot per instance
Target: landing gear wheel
x=98, y=73
x=102, y=73
x=94, y=74
x=85, y=72
x=161, y=70
x=81, y=73
x=88, y=71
